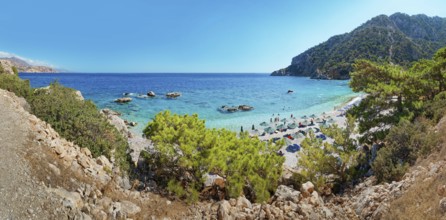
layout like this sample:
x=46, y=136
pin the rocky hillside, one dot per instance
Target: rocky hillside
x=23, y=67
x=398, y=38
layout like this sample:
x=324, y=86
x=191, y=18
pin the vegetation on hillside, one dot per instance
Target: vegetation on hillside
x=400, y=110
x=400, y=39
x=185, y=150
x=74, y=119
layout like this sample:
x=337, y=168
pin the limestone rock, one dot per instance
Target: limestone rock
x=223, y=210
x=285, y=193
x=307, y=188
x=442, y=205
x=151, y=94
x=129, y=208
x=242, y=202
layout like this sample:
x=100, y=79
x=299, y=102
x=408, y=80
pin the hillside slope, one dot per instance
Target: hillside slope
x=398, y=38
x=24, y=67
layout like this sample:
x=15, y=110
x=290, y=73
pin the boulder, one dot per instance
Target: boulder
x=285, y=193
x=307, y=188
x=151, y=94
x=123, y=100
x=103, y=161
x=242, y=203
x=79, y=95
x=442, y=205
x=245, y=107
x=72, y=200
x=129, y=208
x=223, y=210
x=173, y=94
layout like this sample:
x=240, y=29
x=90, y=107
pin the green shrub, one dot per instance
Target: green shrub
x=186, y=150
x=79, y=121
x=328, y=165
x=405, y=143
x=388, y=168
x=16, y=85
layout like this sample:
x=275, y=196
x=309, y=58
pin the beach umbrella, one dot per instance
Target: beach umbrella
x=313, y=116
x=283, y=120
x=319, y=120
x=280, y=127
x=305, y=122
x=292, y=126
x=304, y=117
x=324, y=114
x=297, y=135
x=264, y=123
x=293, y=148
x=269, y=130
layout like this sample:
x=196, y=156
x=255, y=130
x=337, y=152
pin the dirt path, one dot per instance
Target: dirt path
x=21, y=196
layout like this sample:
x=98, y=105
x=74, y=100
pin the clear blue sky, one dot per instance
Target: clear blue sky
x=183, y=35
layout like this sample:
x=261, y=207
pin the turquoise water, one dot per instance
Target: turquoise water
x=204, y=94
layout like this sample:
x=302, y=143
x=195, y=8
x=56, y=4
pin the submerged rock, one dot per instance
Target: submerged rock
x=245, y=107
x=123, y=100
x=173, y=94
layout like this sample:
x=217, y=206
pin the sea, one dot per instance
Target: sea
x=204, y=94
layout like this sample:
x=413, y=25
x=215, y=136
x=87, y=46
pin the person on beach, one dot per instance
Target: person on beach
x=291, y=116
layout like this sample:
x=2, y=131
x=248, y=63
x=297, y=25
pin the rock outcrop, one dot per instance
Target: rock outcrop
x=123, y=100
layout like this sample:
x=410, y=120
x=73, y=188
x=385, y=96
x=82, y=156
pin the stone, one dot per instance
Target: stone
x=315, y=199
x=103, y=161
x=83, y=161
x=242, y=202
x=442, y=205
x=151, y=94
x=79, y=95
x=233, y=202
x=285, y=193
x=441, y=190
x=245, y=107
x=123, y=100
x=173, y=94
x=129, y=208
x=54, y=169
x=223, y=210
x=86, y=151
x=307, y=188
x=72, y=200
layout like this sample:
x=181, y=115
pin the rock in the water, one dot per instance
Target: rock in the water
x=123, y=100
x=307, y=188
x=173, y=94
x=245, y=107
x=151, y=94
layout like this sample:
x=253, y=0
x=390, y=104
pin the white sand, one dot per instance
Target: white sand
x=291, y=158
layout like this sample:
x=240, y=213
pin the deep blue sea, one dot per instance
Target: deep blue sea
x=204, y=94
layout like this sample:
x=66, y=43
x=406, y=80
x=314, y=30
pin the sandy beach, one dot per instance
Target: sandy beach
x=292, y=136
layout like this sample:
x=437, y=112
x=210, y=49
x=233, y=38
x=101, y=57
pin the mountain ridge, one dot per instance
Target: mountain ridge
x=23, y=66
x=398, y=38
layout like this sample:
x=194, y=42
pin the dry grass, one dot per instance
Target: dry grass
x=421, y=200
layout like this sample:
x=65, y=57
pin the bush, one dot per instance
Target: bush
x=16, y=85
x=404, y=144
x=329, y=165
x=79, y=121
x=186, y=150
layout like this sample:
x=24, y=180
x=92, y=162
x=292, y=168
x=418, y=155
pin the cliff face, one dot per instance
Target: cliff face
x=398, y=39
x=23, y=67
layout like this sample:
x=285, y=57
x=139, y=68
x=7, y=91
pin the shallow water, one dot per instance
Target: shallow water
x=204, y=94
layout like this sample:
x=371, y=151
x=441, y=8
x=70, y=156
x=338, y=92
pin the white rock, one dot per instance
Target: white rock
x=307, y=188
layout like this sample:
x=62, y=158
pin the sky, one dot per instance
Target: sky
x=193, y=36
